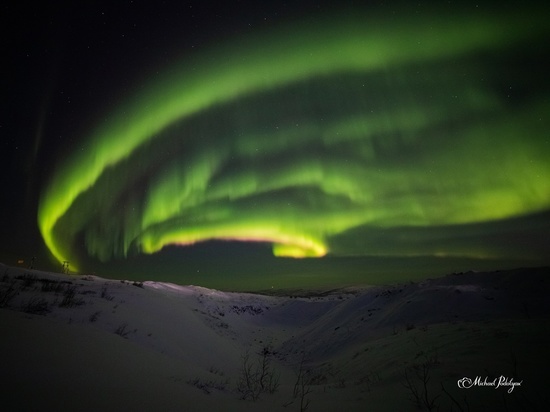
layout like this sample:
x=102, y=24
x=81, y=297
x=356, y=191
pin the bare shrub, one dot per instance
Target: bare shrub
x=122, y=331
x=105, y=294
x=94, y=316
x=8, y=293
x=416, y=380
x=51, y=286
x=28, y=280
x=69, y=298
x=461, y=408
x=36, y=306
x=208, y=385
x=302, y=387
x=257, y=377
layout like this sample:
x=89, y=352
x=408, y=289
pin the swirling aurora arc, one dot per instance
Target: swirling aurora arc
x=305, y=133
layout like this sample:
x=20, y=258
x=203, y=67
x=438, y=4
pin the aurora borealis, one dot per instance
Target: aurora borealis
x=350, y=133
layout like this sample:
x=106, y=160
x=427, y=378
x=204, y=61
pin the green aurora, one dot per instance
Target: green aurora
x=350, y=135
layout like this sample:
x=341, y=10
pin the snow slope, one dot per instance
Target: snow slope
x=84, y=343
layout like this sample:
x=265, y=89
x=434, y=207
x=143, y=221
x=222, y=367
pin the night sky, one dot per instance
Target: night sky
x=244, y=145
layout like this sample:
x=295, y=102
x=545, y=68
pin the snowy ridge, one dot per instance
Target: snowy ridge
x=158, y=346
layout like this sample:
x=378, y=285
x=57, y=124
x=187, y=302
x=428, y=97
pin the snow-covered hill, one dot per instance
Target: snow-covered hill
x=87, y=343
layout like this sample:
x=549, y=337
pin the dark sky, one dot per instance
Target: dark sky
x=380, y=142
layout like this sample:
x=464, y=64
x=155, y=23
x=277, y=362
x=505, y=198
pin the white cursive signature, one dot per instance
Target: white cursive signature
x=502, y=381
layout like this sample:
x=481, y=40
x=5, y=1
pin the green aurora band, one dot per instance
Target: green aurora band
x=305, y=135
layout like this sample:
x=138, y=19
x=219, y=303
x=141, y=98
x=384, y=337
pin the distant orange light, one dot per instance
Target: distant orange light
x=20, y=261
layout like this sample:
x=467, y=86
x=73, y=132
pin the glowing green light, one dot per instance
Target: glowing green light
x=212, y=151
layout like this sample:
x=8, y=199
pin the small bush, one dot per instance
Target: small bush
x=122, y=331
x=69, y=298
x=28, y=280
x=257, y=378
x=208, y=385
x=416, y=381
x=94, y=316
x=36, y=306
x=249, y=309
x=302, y=387
x=105, y=294
x=8, y=293
x=51, y=286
